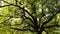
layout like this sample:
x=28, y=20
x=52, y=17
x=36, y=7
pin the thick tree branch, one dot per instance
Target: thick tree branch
x=18, y=7
x=22, y=29
x=52, y=26
x=46, y=31
x=54, y=14
x=29, y=19
x=43, y=23
x=42, y=12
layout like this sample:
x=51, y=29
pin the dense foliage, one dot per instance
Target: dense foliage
x=30, y=17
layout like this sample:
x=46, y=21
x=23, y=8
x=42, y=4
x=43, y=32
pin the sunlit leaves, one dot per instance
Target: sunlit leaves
x=41, y=9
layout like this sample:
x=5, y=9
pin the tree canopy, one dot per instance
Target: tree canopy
x=29, y=17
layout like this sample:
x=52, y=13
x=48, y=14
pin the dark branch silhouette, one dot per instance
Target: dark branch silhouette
x=22, y=29
x=52, y=26
x=46, y=31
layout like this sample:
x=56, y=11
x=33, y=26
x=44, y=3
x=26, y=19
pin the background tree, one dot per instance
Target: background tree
x=34, y=16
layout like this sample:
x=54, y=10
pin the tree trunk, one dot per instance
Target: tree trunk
x=39, y=32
